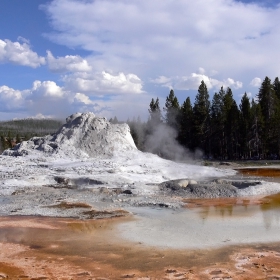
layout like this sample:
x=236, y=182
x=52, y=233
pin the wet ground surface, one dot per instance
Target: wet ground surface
x=44, y=248
x=56, y=248
x=261, y=171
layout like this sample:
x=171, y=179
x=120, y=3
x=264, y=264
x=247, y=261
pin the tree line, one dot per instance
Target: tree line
x=15, y=131
x=220, y=128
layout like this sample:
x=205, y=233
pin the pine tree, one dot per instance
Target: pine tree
x=276, y=87
x=245, y=117
x=172, y=108
x=255, y=142
x=155, y=112
x=201, y=112
x=185, y=135
x=233, y=131
x=217, y=124
x=266, y=98
x=230, y=121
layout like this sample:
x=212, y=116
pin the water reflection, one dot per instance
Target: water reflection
x=263, y=172
x=234, y=208
x=271, y=174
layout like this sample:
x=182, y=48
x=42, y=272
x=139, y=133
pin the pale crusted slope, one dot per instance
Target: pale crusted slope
x=83, y=135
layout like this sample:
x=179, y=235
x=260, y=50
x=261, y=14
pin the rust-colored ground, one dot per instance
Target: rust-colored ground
x=223, y=202
x=49, y=248
x=54, y=248
x=261, y=171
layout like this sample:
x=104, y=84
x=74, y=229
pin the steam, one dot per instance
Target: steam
x=163, y=142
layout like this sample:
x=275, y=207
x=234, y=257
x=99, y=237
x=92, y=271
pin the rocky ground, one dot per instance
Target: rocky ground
x=90, y=171
x=47, y=248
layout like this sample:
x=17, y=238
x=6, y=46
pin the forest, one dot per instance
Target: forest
x=15, y=131
x=219, y=128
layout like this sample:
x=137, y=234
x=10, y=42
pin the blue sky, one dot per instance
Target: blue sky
x=112, y=57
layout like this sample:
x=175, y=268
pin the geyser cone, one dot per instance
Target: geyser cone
x=83, y=135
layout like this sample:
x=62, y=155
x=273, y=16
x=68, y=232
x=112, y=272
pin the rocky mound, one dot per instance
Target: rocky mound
x=209, y=189
x=83, y=135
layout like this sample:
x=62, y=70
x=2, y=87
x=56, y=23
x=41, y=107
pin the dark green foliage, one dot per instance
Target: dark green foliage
x=186, y=128
x=276, y=87
x=15, y=131
x=155, y=112
x=217, y=124
x=255, y=142
x=244, y=126
x=268, y=101
x=155, y=117
x=201, y=117
x=222, y=129
x=172, y=109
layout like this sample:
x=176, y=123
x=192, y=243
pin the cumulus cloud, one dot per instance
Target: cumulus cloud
x=82, y=98
x=104, y=82
x=11, y=98
x=46, y=98
x=68, y=63
x=145, y=38
x=193, y=81
x=47, y=89
x=256, y=82
x=20, y=54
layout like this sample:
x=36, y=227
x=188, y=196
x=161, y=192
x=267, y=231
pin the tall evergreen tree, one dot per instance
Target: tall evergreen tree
x=276, y=87
x=172, y=108
x=230, y=117
x=155, y=117
x=185, y=135
x=155, y=112
x=245, y=124
x=201, y=113
x=217, y=124
x=255, y=142
x=266, y=98
x=274, y=140
x=232, y=125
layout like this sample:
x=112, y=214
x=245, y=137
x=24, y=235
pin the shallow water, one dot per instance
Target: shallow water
x=204, y=227
x=211, y=223
x=261, y=171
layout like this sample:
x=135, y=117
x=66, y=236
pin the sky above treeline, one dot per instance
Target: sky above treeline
x=111, y=57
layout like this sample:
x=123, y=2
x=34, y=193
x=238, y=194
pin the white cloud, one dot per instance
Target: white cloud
x=104, y=82
x=145, y=38
x=80, y=97
x=10, y=98
x=256, y=82
x=69, y=63
x=20, y=54
x=193, y=81
x=46, y=98
x=48, y=89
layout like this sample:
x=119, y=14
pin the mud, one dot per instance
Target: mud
x=58, y=248
x=70, y=249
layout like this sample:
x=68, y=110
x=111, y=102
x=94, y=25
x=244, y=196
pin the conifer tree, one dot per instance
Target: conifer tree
x=172, y=108
x=276, y=87
x=274, y=141
x=201, y=113
x=233, y=131
x=255, y=142
x=155, y=112
x=217, y=124
x=185, y=135
x=245, y=124
x=266, y=98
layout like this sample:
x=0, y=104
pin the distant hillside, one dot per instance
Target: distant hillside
x=14, y=131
